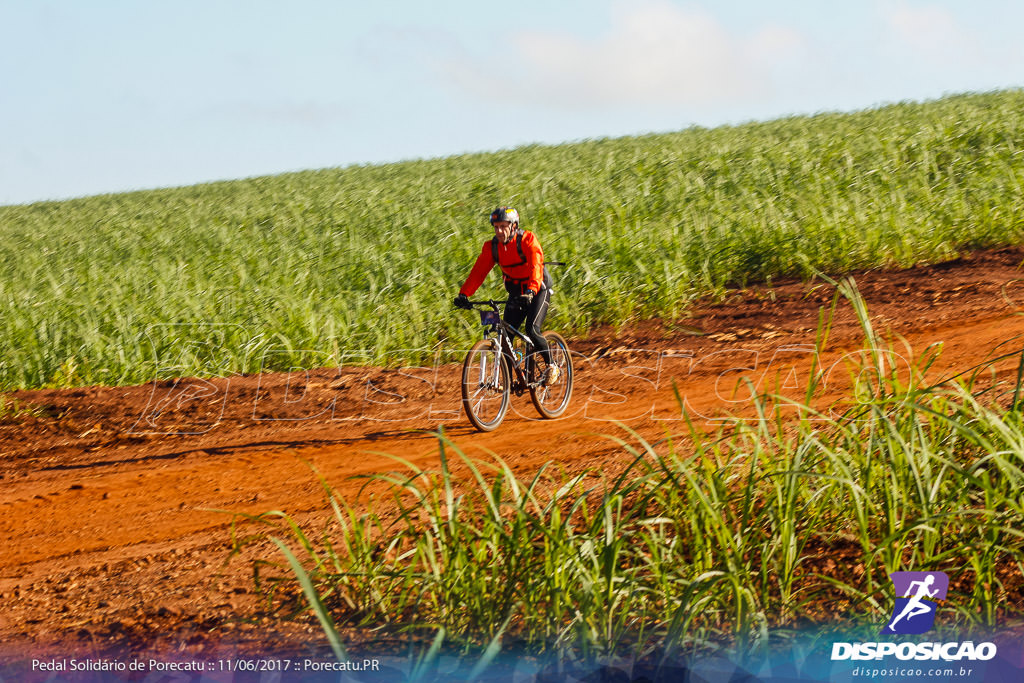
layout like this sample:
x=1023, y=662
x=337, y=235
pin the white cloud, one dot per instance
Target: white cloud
x=930, y=31
x=657, y=53
x=951, y=49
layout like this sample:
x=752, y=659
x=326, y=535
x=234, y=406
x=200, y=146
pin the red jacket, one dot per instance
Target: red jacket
x=529, y=273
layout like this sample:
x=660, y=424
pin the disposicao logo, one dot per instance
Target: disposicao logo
x=918, y=595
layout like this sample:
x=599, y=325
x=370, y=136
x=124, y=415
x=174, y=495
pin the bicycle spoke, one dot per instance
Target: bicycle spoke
x=551, y=400
x=485, y=392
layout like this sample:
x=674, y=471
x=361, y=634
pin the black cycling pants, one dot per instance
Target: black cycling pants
x=533, y=315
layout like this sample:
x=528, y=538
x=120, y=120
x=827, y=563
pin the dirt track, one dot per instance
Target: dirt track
x=111, y=542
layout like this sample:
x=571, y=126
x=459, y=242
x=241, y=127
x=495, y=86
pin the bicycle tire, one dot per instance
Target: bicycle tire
x=552, y=401
x=485, y=385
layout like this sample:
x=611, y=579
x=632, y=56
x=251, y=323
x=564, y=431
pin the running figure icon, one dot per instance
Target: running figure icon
x=918, y=595
x=914, y=606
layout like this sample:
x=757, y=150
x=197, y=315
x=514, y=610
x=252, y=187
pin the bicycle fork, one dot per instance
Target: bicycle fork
x=491, y=378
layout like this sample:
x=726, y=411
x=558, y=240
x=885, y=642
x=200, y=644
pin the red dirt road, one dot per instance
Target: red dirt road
x=109, y=497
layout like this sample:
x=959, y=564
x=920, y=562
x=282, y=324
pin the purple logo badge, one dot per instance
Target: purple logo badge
x=917, y=596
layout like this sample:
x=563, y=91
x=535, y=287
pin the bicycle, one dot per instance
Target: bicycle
x=504, y=362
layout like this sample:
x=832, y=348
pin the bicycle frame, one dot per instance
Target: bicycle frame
x=504, y=335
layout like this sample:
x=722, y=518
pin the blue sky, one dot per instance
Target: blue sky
x=108, y=96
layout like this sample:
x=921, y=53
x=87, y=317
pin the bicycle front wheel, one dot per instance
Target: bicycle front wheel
x=485, y=385
x=552, y=400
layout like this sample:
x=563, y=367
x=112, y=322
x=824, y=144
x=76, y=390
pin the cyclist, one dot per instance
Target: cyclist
x=527, y=281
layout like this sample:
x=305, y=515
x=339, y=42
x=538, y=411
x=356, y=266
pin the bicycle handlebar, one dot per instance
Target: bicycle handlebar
x=489, y=303
x=495, y=306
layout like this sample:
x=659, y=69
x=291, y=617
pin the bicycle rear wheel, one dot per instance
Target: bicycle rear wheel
x=485, y=385
x=551, y=401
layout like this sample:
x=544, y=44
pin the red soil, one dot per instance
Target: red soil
x=109, y=497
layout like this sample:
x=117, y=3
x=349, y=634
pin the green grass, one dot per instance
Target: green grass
x=297, y=269
x=734, y=539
